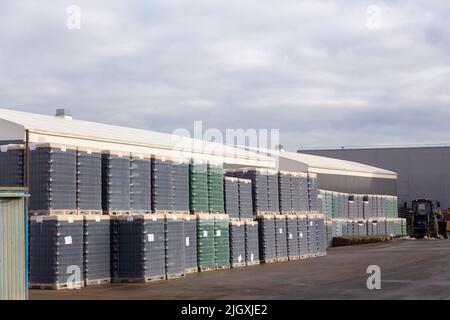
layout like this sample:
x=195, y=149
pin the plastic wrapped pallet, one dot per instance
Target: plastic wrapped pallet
x=56, y=252
x=53, y=178
x=12, y=166
x=190, y=248
x=215, y=189
x=281, y=238
x=381, y=226
x=352, y=206
x=198, y=188
x=292, y=237
x=221, y=241
x=138, y=248
x=96, y=249
x=299, y=192
x=338, y=227
x=302, y=225
x=89, y=180
x=141, y=183
x=266, y=232
x=313, y=246
x=373, y=206
x=390, y=227
x=329, y=229
x=237, y=244
x=175, y=245
x=335, y=205
x=328, y=204
x=321, y=235
x=343, y=206
x=180, y=186
x=251, y=243
x=245, y=199
x=116, y=182
x=285, y=193
x=205, y=242
x=321, y=201
x=404, y=227
x=367, y=207
x=273, y=192
x=312, y=191
x=260, y=193
x=360, y=206
x=231, y=195
x=162, y=184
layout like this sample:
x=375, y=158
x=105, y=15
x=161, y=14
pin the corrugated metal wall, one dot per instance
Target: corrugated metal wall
x=13, y=246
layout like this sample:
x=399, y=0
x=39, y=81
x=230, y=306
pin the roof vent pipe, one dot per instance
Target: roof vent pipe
x=63, y=114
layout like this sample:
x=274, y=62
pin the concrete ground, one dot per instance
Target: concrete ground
x=410, y=269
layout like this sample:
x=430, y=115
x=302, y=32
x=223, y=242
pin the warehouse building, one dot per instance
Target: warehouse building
x=422, y=171
x=338, y=175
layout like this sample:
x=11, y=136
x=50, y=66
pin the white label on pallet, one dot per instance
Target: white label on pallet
x=188, y=218
x=63, y=149
x=218, y=233
x=239, y=224
x=4, y=148
x=280, y=231
x=32, y=146
x=205, y=234
x=175, y=218
x=252, y=256
x=153, y=218
x=120, y=154
x=39, y=220
x=141, y=157
x=89, y=151
x=70, y=220
x=187, y=241
x=130, y=219
x=301, y=235
x=151, y=237
x=240, y=258
x=97, y=219
x=311, y=223
x=290, y=236
x=68, y=240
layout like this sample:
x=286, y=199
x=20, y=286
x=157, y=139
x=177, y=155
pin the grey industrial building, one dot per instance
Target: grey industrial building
x=422, y=171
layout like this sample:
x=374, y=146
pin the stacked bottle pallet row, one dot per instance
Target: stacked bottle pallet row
x=190, y=245
x=12, y=160
x=116, y=187
x=56, y=252
x=205, y=242
x=237, y=244
x=96, y=243
x=89, y=181
x=215, y=176
x=138, y=248
x=299, y=192
x=162, y=178
x=181, y=186
x=140, y=183
x=285, y=192
x=293, y=251
x=312, y=192
x=175, y=245
x=53, y=185
x=198, y=188
x=221, y=241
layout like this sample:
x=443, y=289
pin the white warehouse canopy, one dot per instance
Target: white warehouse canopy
x=68, y=131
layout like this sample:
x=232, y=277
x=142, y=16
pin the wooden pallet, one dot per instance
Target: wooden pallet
x=205, y=269
x=266, y=261
x=175, y=276
x=53, y=212
x=97, y=282
x=282, y=259
x=222, y=267
x=140, y=280
x=294, y=258
x=304, y=256
x=253, y=263
x=57, y=286
x=238, y=265
x=118, y=212
x=142, y=211
x=191, y=270
x=90, y=212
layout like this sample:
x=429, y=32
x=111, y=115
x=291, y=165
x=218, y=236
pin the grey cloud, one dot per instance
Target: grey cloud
x=312, y=68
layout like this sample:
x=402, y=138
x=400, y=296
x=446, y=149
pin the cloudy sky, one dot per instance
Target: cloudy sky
x=326, y=73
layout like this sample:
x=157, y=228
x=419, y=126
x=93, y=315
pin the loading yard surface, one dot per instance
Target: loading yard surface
x=410, y=269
